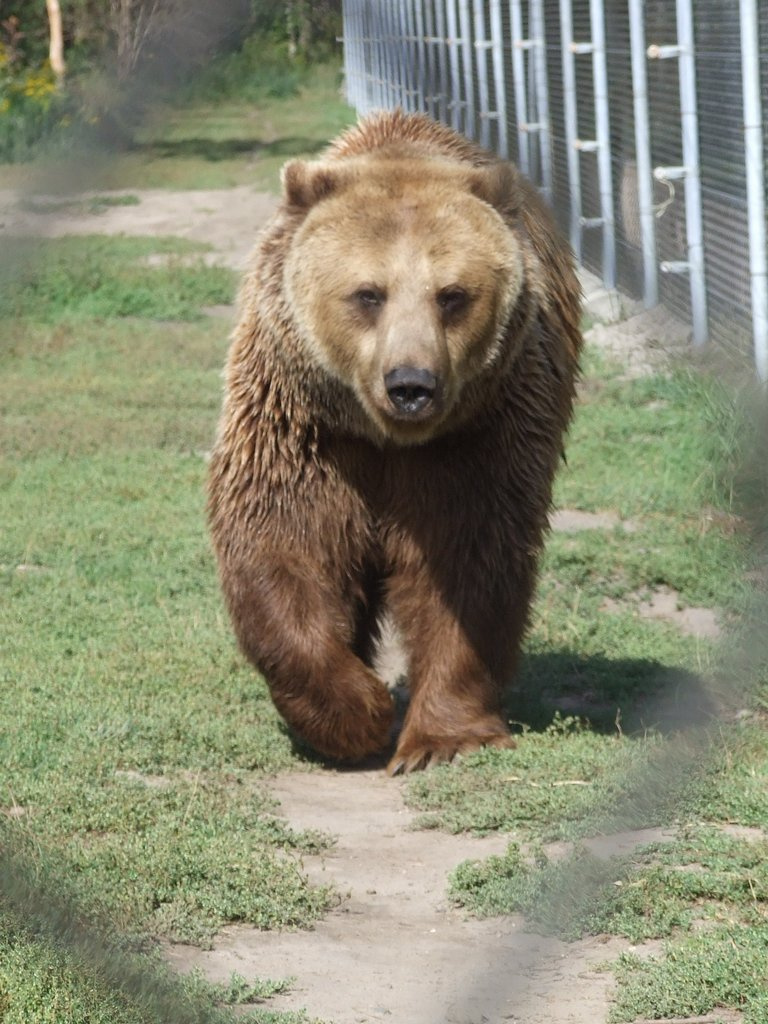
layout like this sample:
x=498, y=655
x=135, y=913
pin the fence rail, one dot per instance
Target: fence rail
x=641, y=121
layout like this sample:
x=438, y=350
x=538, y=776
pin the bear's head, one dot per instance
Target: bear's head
x=402, y=276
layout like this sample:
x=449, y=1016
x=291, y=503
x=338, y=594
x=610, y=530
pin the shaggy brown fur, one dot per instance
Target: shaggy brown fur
x=341, y=484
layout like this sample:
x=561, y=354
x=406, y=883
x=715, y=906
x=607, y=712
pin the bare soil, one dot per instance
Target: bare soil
x=393, y=950
x=226, y=219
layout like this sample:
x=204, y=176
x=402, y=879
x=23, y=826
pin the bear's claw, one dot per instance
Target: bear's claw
x=426, y=753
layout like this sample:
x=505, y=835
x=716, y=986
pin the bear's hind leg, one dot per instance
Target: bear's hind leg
x=295, y=627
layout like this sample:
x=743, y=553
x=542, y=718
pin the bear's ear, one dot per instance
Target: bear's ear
x=305, y=184
x=497, y=184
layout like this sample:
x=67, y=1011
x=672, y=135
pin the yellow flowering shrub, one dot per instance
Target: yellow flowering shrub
x=30, y=106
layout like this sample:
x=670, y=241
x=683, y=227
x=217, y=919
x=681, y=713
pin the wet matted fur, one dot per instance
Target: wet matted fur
x=397, y=390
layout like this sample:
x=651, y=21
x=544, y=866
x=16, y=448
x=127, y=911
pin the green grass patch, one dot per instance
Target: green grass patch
x=722, y=968
x=92, y=204
x=94, y=277
x=543, y=789
x=134, y=737
x=568, y=781
x=238, y=142
x=50, y=983
x=191, y=855
x=703, y=878
x=260, y=70
x=665, y=444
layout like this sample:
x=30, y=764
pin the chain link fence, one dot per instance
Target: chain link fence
x=640, y=120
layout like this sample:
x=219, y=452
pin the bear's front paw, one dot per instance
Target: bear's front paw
x=346, y=719
x=417, y=751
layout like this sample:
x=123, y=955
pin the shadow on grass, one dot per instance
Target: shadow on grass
x=610, y=694
x=215, y=150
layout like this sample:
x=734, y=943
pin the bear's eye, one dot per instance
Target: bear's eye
x=369, y=298
x=452, y=300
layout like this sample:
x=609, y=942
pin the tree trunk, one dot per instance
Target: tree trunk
x=56, y=37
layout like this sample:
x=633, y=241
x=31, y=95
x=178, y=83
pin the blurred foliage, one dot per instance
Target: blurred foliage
x=91, y=27
x=29, y=104
x=124, y=55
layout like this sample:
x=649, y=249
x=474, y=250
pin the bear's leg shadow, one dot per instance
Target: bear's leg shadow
x=294, y=624
x=463, y=645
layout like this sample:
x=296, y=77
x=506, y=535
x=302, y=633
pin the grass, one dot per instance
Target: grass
x=236, y=142
x=704, y=876
x=699, y=974
x=91, y=277
x=134, y=737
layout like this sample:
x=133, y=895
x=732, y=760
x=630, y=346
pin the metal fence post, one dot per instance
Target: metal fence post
x=442, y=45
x=756, y=183
x=529, y=123
x=469, y=84
x=603, y=133
x=404, y=62
x=601, y=144
x=518, y=77
x=386, y=58
x=689, y=170
x=421, y=55
x=481, y=51
x=372, y=66
x=539, y=54
x=365, y=85
x=411, y=55
x=690, y=126
x=455, y=103
x=571, y=125
x=428, y=30
x=499, y=84
x=643, y=153
x=396, y=55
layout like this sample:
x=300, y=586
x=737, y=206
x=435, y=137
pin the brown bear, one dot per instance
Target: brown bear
x=397, y=390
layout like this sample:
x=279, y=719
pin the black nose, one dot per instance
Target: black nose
x=410, y=390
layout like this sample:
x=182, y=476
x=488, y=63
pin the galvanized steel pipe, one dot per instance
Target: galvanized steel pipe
x=756, y=183
x=603, y=134
x=690, y=130
x=571, y=125
x=643, y=154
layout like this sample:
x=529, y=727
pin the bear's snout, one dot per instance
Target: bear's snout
x=411, y=391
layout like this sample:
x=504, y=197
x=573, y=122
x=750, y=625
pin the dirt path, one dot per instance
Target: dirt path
x=393, y=950
x=227, y=219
